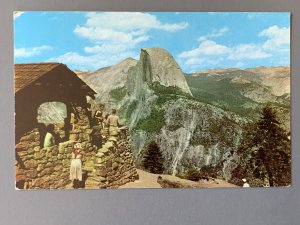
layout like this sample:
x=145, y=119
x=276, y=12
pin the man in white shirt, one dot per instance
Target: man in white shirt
x=113, y=123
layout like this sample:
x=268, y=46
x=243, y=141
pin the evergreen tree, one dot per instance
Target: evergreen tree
x=153, y=160
x=265, y=150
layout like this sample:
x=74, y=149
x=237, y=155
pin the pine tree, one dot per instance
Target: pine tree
x=265, y=149
x=153, y=160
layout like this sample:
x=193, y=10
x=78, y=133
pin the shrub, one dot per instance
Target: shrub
x=153, y=160
x=118, y=93
x=193, y=174
x=153, y=123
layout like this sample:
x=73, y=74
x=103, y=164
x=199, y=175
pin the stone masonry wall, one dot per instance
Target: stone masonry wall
x=48, y=168
x=113, y=164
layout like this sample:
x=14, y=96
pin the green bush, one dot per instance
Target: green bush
x=193, y=174
x=153, y=123
x=166, y=94
x=118, y=93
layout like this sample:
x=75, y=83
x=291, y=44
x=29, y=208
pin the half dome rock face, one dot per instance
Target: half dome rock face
x=162, y=68
x=157, y=65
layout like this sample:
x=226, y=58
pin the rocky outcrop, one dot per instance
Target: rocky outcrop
x=156, y=65
x=193, y=135
x=107, y=79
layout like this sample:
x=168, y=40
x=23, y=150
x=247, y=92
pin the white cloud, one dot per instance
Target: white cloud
x=215, y=33
x=88, y=62
x=239, y=65
x=104, y=48
x=218, y=32
x=206, y=61
x=211, y=53
x=29, y=52
x=17, y=14
x=107, y=48
x=99, y=35
x=114, y=36
x=206, y=47
x=248, y=51
x=124, y=27
x=278, y=37
x=128, y=21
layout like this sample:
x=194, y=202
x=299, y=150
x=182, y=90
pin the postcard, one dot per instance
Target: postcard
x=152, y=100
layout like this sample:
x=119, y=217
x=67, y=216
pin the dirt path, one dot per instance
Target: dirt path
x=146, y=180
x=149, y=180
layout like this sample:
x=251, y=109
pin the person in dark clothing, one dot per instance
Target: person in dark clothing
x=96, y=134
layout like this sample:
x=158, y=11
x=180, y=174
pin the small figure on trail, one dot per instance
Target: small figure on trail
x=76, y=165
x=245, y=183
x=49, y=140
x=113, y=123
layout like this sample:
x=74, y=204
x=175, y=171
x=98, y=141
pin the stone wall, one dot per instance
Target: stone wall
x=48, y=168
x=113, y=164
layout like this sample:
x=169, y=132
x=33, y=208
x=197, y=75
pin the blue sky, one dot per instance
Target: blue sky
x=198, y=41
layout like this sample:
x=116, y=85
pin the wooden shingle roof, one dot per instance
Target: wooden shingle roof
x=25, y=74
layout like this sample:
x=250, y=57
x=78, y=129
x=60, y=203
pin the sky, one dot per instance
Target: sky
x=197, y=41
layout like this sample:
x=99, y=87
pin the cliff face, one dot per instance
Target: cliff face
x=191, y=134
x=107, y=79
x=155, y=65
x=159, y=106
x=163, y=69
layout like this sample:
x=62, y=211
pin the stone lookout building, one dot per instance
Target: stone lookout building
x=38, y=83
x=38, y=167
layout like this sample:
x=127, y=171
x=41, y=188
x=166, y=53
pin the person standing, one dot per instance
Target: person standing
x=99, y=117
x=96, y=137
x=76, y=165
x=113, y=123
x=99, y=114
x=246, y=185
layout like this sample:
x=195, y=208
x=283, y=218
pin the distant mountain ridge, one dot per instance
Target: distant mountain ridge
x=277, y=77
